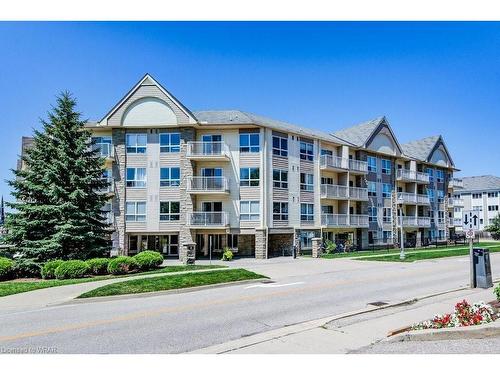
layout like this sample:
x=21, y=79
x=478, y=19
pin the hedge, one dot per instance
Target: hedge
x=122, y=265
x=72, y=269
x=6, y=266
x=98, y=266
x=49, y=268
x=27, y=268
x=148, y=260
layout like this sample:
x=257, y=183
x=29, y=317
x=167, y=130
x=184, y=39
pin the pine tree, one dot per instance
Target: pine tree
x=57, y=213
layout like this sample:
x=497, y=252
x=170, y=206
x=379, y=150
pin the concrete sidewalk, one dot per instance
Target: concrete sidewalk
x=60, y=294
x=346, y=334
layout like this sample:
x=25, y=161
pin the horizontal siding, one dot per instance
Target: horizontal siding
x=247, y=193
x=170, y=159
x=134, y=160
x=170, y=194
x=280, y=195
x=136, y=194
x=250, y=159
x=306, y=167
x=280, y=224
x=170, y=226
x=249, y=224
x=280, y=163
x=132, y=226
x=306, y=197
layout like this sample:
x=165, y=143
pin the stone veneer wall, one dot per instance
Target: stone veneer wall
x=186, y=200
x=119, y=181
x=279, y=243
x=260, y=243
x=246, y=245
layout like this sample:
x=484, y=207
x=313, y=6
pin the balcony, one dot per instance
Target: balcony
x=207, y=150
x=110, y=189
x=207, y=220
x=456, y=183
x=334, y=192
x=211, y=185
x=358, y=166
x=441, y=222
x=106, y=150
x=407, y=175
x=406, y=198
x=358, y=194
x=423, y=199
x=334, y=163
x=414, y=221
x=344, y=221
x=424, y=222
x=455, y=222
x=458, y=202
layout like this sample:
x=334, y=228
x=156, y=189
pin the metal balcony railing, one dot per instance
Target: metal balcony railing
x=207, y=149
x=208, y=184
x=344, y=220
x=456, y=183
x=358, y=220
x=423, y=199
x=455, y=202
x=207, y=219
x=105, y=149
x=424, y=222
x=110, y=188
x=334, y=191
x=358, y=166
x=407, y=198
x=334, y=162
x=412, y=176
x=358, y=193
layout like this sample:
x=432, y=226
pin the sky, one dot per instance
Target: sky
x=427, y=78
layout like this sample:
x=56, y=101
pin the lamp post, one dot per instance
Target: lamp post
x=401, y=242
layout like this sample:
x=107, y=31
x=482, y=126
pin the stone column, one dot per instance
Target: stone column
x=316, y=247
x=418, y=242
x=118, y=170
x=260, y=243
x=186, y=200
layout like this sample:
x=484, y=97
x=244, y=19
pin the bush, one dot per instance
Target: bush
x=148, y=260
x=72, y=269
x=49, y=268
x=330, y=247
x=98, y=266
x=122, y=265
x=227, y=254
x=6, y=266
x=27, y=268
x=497, y=292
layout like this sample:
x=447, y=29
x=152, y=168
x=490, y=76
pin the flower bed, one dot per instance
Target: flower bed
x=464, y=315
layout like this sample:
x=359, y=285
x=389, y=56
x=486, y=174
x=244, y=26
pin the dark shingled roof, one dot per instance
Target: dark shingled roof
x=359, y=134
x=480, y=183
x=421, y=148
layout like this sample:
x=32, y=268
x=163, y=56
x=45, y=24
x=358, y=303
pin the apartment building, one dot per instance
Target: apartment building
x=478, y=193
x=213, y=179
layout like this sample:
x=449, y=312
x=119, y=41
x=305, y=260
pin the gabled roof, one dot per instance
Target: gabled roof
x=422, y=149
x=148, y=79
x=360, y=135
x=480, y=183
x=237, y=117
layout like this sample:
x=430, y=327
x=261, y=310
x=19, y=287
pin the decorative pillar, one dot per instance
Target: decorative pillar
x=260, y=243
x=316, y=247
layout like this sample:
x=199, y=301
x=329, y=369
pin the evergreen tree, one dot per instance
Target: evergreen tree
x=57, y=213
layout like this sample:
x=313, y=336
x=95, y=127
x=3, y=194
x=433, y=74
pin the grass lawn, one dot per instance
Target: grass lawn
x=364, y=253
x=428, y=254
x=20, y=286
x=155, y=284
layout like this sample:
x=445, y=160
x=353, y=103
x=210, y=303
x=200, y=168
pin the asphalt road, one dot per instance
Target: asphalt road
x=303, y=289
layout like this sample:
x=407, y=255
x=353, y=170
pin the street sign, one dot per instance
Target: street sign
x=469, y=233
x=470, y=220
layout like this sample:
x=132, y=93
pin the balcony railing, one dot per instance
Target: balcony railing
x=357, y=193
x=333, y=162
x=334, y=191
x=456, y=183
x=105, y=149
x=412, y=176
x=344, y=220
x=207, y=219
x=207, y=149
x=424, y=222
x=208, y=184
x=109, y=188
x=423, y=199
x=414, y=221
x=407, y=198
x=456, y=222
x=358, y=166
x=458, y=202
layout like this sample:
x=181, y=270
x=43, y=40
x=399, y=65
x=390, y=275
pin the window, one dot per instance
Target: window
x=386, y=190
x=477, y=208
x=430, y=172
x=386, y=166
x=249, y=177
x=249, y=210
x=280, y=211
x=493, y=208
x=103, y=144
x=169, y=211
x=232, y=241
x=249, y=142
x=372, y=163
x=136, y=143
x=306, y=212
x=326, y=152
x=387, y=215
x=170, y=142
x=326, y=181
x=136, y=177
x=306, y=182
x=280, y=178
x=439, y=175
x=440, y=195
x=372, y=213
x=280, y=146
x=135, y=211
x=493, y=195
x=477, y=196
x=386, y=236
x=306, y=151
x=372, y=189
x=430, y=193
x=170, y=176
x=169, y=244
x=372, y=237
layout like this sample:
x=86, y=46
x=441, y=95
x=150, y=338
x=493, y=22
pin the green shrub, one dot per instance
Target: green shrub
x=6, y=266
x=497, y=292
x=329, y=247
x=122, y=265
x=49, y=268
x=27, y=268
x=148, y=260
x=227, y=254
x=72, y=269
x=98, y=266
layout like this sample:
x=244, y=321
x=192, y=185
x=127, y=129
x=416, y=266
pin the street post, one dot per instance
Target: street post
x=470, y=223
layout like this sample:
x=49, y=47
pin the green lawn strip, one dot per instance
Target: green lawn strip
x=382, y=252
x=13, y=287
x=411, y=257
x=160, y=283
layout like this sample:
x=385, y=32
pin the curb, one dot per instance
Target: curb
x=77, y=301
x=456, y=333
x=304, y=326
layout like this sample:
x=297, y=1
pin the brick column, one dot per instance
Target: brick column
x=260, y=243
x=316, y=247
x=186, y=200
x=119, y=170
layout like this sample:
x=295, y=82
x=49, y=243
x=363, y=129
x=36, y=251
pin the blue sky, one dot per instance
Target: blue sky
x=427, y=78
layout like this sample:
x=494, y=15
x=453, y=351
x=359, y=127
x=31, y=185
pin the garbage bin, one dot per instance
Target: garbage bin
x=482, y=268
